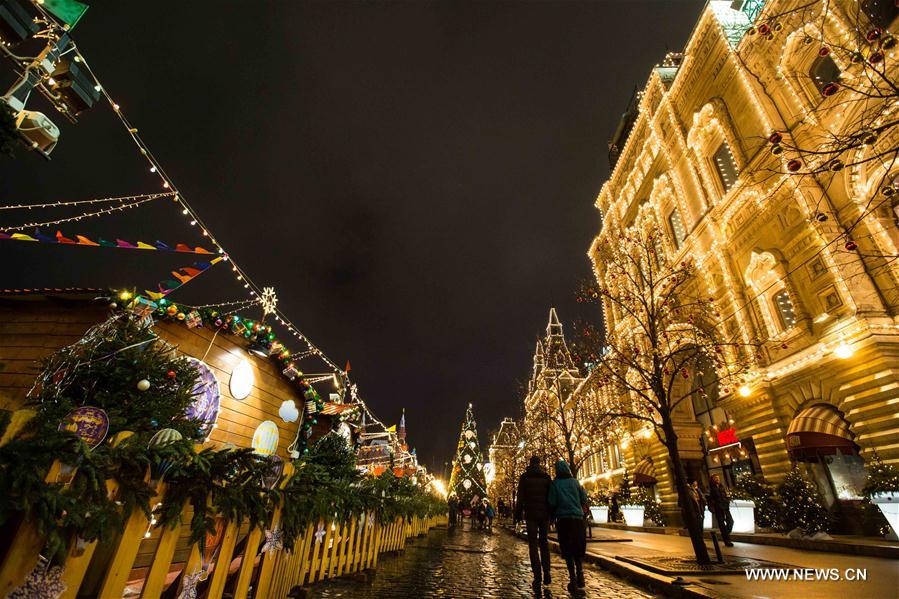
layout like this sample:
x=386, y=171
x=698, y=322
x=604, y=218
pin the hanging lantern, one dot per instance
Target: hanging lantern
x=856, y=57
x=794, y=165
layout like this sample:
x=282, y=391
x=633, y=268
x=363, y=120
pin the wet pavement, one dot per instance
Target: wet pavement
x=468, y=564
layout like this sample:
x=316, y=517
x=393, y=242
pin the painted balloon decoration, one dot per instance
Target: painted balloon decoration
x=166, y=436
x=89, y=424
x=206, y=398
x=272, y=476
x=289, y=411
x=265, y=439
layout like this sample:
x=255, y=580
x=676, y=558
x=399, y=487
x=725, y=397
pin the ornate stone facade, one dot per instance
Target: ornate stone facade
x=804, y=260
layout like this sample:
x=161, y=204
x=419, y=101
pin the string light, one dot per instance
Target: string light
x=83, y=215
x=61, y=204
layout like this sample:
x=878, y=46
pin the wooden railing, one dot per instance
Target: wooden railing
x=157, y=557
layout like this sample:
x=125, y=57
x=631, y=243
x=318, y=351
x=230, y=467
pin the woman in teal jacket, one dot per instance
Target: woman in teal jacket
x=567, y=500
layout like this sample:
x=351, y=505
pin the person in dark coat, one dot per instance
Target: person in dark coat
x=719, y=505
x=567, y=499
x=533, y=508
x=453, y=510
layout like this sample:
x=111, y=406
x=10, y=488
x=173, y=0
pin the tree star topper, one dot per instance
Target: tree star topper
x=269, y=300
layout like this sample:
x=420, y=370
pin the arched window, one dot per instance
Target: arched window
x=824, y=73
x=725, y=166
x=678, y=233
x=785, y=311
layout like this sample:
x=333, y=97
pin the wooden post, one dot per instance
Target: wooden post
x=162, y=561
x=245, y=574
x=325, y=551
x=223, y=561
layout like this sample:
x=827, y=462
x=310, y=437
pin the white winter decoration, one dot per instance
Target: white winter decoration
x=466, y=483
x=288, y=411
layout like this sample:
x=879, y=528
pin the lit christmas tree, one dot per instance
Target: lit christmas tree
x=467, y=480
x=801, y=505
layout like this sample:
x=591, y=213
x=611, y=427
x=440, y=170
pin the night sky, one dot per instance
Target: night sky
x=416, y=179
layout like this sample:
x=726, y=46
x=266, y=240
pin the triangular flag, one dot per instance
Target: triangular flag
x=124, y=244
x=161, y=246
x=168, y=285
x=202, y=265
x=200, y=250
x=153, y=295
x=145, y=246
x=183, y=278
x=82, y=240
x=182, y=248
x=23, y=237
x=391, y=429
x=347, y=369
x=62, y=239
x=107, y=244
x=44, y=238
x=5, y=235
x=190, y=271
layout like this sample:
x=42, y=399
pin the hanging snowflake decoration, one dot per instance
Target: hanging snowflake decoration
x=320, y=534
x=189, y=590
x=268, y=300
x=371, y=520
x=274, y=540
x=41, y=583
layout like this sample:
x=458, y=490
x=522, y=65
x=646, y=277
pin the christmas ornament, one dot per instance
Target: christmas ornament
x=794, y=165
x=41, y=583
x=189, y=585
x=193, y=320
x=274, y=540
x=166, y=436
x=242, y=380
x=265, y=439
x=89, y=424
x=291, y=371
x=288, y=411
x=268, y=300
x=171, y=310
x=171, y=374
x=466, y=483
x=320, y=534
x=143, y=385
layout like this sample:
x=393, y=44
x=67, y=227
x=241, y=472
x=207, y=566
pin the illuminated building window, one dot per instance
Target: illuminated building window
x=677, y=228
x=785, y=310
x=824, y=71
x=725, y=166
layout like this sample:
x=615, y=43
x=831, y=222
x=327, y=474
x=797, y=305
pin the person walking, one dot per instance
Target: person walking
x=453, y=511
x=567, y=499
x=533, y=508
x=719, y=504
x=697, y=499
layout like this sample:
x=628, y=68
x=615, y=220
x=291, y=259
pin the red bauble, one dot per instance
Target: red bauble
x=171, y=374
x=851, y=246
x=775, y=137
x=824, y=51
x=794, y=165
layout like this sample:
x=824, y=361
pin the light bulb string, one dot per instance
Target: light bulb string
x=66, y=203
x=68, y=219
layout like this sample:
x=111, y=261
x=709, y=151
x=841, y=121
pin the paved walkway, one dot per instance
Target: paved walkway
x=882, y=573
x=462, y=564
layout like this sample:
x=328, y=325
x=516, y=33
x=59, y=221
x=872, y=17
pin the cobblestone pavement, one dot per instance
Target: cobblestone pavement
x=461, y=564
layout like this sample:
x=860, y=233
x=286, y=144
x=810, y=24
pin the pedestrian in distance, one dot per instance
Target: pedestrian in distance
x=532, y=507
x=453, y=510
x=491, y=514
x=719, y=504
x=567, y=499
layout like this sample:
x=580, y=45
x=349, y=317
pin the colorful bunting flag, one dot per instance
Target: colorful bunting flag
x=83, y=240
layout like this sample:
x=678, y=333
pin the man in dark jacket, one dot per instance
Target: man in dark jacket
x=533, y=508
x=719, y=505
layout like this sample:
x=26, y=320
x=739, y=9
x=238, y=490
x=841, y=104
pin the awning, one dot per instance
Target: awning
x=644, y=473
x=819, y=430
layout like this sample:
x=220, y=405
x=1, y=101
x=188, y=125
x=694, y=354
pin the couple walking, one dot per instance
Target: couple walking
x=540, y=500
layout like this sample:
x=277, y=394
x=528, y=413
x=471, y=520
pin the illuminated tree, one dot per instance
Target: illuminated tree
x=467, y=480
x=662, y=332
